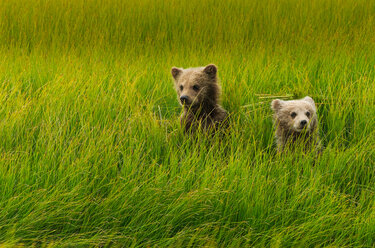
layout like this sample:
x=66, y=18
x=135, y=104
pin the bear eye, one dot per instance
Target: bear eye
x=196, y=87
x=181, y=87
x=293, y=114
x=308, y=114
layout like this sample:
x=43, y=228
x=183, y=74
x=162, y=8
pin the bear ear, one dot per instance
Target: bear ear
x=309, y=100
x=176, y=72
x=210, y=70
x=277, y=104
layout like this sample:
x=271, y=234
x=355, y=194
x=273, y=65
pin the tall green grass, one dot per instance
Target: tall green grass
x=92, y=153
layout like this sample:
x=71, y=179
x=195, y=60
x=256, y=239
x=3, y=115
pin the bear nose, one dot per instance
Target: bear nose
x=184, y=99
x=303, y=123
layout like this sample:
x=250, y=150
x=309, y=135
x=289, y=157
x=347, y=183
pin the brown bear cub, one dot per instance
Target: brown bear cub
x=198, y=92
x=296, y=121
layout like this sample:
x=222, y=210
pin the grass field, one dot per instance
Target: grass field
x=92, y=153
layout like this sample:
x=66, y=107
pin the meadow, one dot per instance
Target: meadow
x=91, y=149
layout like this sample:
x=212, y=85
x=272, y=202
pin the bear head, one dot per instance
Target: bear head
x=295, y=115
x=196, y=86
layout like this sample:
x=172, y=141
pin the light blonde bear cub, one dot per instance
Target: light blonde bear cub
x=296, y=121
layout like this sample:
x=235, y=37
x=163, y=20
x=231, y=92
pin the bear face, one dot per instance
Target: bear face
x=296, y=121
x=295, y=115
x=198, y=92
x=196, y=86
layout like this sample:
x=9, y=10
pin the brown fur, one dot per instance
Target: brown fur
x=288, y=129
x=201, y=91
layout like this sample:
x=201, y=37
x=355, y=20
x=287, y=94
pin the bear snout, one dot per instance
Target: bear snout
x=301, y=125
x=184, y=99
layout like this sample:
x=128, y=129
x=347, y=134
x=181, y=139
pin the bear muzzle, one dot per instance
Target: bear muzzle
x=302, y=125
x=184, y=100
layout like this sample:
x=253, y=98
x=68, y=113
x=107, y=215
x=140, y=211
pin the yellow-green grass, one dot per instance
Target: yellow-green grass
x=92, y=153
